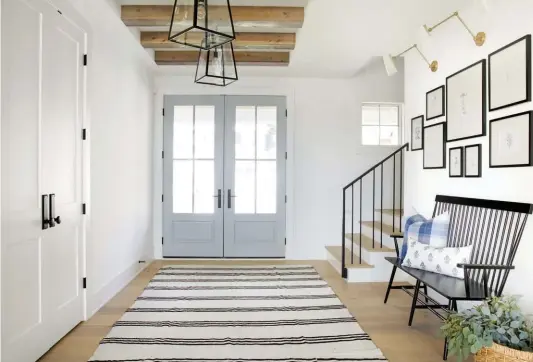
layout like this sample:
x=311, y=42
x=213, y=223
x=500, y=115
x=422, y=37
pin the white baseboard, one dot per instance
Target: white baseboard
x=99, y=298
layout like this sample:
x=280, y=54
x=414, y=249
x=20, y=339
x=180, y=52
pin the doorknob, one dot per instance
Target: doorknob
x=45, y=212
x=53, y=219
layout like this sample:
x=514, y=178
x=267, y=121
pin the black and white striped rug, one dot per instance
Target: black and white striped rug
x=237, y=314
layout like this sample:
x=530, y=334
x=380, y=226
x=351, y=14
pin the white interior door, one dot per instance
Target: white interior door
x=193, y=189
x=42, y=86
x=254, y=177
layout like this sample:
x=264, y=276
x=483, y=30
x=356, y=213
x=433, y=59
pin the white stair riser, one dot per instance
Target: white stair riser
x=372, y=258
x=380, y=272
x=387, y=219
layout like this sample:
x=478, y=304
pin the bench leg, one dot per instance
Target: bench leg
x=390, y=284
x=452, y=305
x=415, y=299
x=426, y=292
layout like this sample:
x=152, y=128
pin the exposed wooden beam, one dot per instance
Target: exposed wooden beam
x=246, y=16
x=242, y=58
x=243, y=41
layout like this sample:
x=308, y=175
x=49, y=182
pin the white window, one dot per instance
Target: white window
x=381, y=124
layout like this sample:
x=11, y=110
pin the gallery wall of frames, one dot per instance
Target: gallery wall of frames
x=462, y=108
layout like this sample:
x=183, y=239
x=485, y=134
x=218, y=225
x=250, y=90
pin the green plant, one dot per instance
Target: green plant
x=498, y=320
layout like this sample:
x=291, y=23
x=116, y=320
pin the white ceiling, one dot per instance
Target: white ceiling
x=340, y=36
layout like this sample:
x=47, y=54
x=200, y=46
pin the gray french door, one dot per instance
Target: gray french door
x=224, y=176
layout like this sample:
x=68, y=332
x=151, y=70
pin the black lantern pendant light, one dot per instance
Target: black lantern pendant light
x=199, y=24
x=217, y=66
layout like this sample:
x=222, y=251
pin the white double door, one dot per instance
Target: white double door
x=224, y=176
x=42, y=103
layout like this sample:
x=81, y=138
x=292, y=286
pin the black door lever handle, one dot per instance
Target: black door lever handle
x=53, y=219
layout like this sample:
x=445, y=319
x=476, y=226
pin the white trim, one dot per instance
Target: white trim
x=235, y=89
x=101, y=296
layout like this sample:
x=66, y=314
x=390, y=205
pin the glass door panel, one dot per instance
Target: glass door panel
x=193, y=216
x=255, y=177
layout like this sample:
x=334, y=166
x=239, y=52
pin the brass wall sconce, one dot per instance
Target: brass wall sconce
x=479, y=38
x=390, y=65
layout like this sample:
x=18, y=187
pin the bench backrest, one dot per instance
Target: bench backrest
x=494, y=228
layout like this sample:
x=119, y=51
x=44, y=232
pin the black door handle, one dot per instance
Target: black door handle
x=45, y=212
x=219, y=196
x=53, y=219
x=230, y=197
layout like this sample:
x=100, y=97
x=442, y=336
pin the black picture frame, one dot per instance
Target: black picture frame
x=530, y=140
x=527, y=39
x=483, y=86
x=480, y=159
x=443, y=109
x=461, y=157
x=443, y=124
x=421, y=117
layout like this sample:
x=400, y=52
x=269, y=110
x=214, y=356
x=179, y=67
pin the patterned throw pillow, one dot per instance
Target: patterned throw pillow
x=430, y=232
x=437, y=260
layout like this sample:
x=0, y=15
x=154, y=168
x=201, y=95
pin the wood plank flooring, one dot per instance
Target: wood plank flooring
x=386, y=324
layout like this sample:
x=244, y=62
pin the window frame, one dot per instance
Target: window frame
x=379, y=125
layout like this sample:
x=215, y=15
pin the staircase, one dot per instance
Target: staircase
x=372, y=210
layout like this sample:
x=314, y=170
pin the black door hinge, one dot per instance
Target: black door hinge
x=84, y=60
x=84, y=209
x=84, y=283
x=162, y=198
x=84, y=134
x=285, y=198
x=162, y=241
x=285, y=155
x=285, y=241
x=162, y=154
x=286, y=113
x=163, y=112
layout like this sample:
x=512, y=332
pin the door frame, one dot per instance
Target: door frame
x=176, y=87
x=79, y=21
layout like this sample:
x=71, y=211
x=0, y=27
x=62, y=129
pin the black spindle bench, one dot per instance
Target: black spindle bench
x=493, y=228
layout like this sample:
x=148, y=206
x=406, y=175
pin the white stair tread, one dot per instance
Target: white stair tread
x=336, y=251
x=396, y=212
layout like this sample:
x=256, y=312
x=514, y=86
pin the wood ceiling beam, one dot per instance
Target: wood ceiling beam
x=243, y=41
x=242, y=58
x=245, y=16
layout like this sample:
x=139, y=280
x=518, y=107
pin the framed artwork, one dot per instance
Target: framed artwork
x=435, y=103
x=466, y=107
x=473, y=160
x=435, y=146
x=511, y=140
x=456, y=162
x=510, y=74
x=417, y=133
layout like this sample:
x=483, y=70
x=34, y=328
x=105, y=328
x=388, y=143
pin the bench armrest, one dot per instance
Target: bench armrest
x=395, y=237
x=485, y=266
x=483, y=269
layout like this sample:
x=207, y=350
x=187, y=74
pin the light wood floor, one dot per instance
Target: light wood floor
x=386, y=324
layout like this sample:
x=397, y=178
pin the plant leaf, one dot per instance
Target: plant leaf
x=515, y=340
x=515, y=324
x=485, y=310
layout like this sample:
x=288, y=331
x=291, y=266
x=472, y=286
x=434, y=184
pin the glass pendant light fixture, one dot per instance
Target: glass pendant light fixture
x=217, y=66
x=200, y=24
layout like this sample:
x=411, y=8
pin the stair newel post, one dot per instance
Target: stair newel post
x=360, y=219
x=393, y=193
x=344, y=271
x=401, y=188
x=351, y=231
x=373, y=208
x=381, y=209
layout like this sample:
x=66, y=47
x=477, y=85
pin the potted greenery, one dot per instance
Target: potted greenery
x=496, y=330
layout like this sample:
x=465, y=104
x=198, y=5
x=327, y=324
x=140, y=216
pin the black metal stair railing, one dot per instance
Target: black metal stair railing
x=351, y=186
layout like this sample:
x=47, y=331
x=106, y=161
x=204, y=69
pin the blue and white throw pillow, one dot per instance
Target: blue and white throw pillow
x=430, y=232
x=437, y=260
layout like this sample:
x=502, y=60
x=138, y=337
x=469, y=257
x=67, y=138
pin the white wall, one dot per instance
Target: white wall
x=324, y=151
x=505, y=22
x=120, y=109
